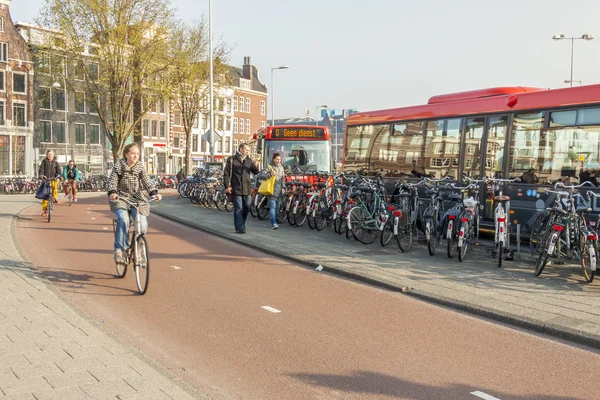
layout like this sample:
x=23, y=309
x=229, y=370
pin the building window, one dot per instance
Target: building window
x=235, y=144
x=19, y=85
x=2, y=113
x=241, y=104
x=196, y=122
x=4, y=52
x=154, y=128
x=145, y=128
x=205, y=118
x=45, y=98
x=44, y=64
x=177, y=119
x=94, y=134
x=162, y=106
x=94, y=69
x=19, y=114
x=228, y=105
x=235, y=125
x=2, y=81
x=163, y=129
x=195, y=143
x=59, y=132
x=235, y=103
x=263, y=107
x=219, y=122
x=262, y=124
x=46, y=131
x=80, y=102
x=92, y=105
x=1, y=24
x=228, y=124
x=176, y=140
x=241, y=125
x=79, y=133
x=247, y=126
x=59, y=100
x=227, y=150
x=247, y=104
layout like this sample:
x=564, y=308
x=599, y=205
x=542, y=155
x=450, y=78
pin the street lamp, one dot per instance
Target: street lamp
x=273, y=93
x=212, y=111
x=561, y=36
x=56, y=85
x=317, y=112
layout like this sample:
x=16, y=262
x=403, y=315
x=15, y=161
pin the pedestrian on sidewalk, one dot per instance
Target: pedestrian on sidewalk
x=180, y=176
x=50, y=169
x=276, y=169
x=71, y=174
x=128, y=179
x=236, y=179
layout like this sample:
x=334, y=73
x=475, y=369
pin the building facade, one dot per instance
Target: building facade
x=16, y=100
x=155, y=136
x=249, y=102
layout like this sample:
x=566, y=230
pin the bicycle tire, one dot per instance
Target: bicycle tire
x=388, y=233
x=262, y=211
x=462, y=251
x=320, y=220
x=311, y=219
x=538, y=228
x=300, y=215
x=141, y=264
x=218, y=199
x=360, y=233
x=586, y=249
x=228, y=205
x=432, y=236
x=253, y=210
x=500, y=253
x=281, y=215
x=50, y=208
x=404, y=237
x=542, y=259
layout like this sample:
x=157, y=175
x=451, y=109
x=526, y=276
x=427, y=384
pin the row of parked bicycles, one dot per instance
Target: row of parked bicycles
x=206, y=189
x=25, y=185
x=359, y=207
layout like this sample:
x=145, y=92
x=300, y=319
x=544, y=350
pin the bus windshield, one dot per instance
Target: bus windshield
x=312, y=155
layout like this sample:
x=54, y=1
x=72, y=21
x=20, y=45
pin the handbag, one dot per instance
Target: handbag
x=43, y=191
x=230, y=195
x=267, y=187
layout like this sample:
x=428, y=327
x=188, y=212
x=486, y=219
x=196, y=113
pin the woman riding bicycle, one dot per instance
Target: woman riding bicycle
x=127, y=179
x=71, y=174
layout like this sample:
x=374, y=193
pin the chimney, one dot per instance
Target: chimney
x=247, y=68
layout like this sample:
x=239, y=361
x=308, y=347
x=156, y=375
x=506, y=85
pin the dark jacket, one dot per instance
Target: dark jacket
x=180, y=176
x=240, y=176
x=48, y=168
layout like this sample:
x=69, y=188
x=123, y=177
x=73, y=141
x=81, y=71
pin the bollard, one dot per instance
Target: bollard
x=518, y=238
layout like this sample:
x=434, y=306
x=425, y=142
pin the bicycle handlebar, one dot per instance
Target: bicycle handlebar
x=137, y=203
x=562, y=185
x=500, y=180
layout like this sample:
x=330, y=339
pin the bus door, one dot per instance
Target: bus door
x=493, y=160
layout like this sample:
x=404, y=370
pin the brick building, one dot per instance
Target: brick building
x=249, y=102
x=16, y=99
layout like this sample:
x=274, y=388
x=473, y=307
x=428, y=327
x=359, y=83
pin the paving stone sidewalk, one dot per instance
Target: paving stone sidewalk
x=558, y=302
x=48, y=350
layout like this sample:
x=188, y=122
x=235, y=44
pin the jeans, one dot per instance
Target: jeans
x=122, y=230
x=241, y=207
x=273, y=210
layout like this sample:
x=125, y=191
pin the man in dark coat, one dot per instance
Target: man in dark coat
x=236, y=178
x=50, y=169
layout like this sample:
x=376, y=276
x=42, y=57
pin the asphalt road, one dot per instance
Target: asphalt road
x=239, y=324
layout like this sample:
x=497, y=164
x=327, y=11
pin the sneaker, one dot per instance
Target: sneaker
x=275, y=226
x=44, y=214
x=66, y=196
x=55, y=200
x=75, y=199
x=120, y=257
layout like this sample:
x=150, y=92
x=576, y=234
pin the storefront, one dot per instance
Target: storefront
x=16, y=155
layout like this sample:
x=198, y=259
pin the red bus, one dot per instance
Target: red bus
x=542, y=135
x=301, y=146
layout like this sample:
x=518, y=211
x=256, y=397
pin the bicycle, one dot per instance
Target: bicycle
x=69, y=192
x=501, y=246
x=137, y=251
x=432, y=213
x=50, y=200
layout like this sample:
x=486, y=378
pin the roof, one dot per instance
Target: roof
x=481, y=102
x=236, y=73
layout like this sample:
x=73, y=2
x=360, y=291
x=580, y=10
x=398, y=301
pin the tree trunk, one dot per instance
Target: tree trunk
x=188, y=153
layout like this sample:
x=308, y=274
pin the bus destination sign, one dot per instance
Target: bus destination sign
x=289, y=133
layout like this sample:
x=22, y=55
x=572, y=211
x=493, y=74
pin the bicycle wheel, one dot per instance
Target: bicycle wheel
x=388, y=233
x=282, y=214
x=588, y=258
x=253, y=209
x=431, y=235
x=220, y=201
x=50, y=208
x=542, y=259
x=310, y=218
x=300, y=216
x=405, y=236
x=321, y=220
x=141, y=264
x=228, y=204
x=537, y=233
x=262, y=210
x=361, y=233
x=462, y=251
x=499, y=253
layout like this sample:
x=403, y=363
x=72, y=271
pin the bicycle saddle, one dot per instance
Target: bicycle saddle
x=502, y=198
x=431, y=191
x=558, y=210
x=455, y=197
x=581, y=210
x=365, y=189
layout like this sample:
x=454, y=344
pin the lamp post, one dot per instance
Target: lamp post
x=56, y=85
x=273, y=93
x=212, y=111
x=585, y=36
x=317, y=112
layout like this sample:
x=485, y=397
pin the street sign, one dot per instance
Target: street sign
x=211, y=136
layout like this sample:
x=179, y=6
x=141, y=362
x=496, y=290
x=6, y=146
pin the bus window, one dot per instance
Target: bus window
x=531, y=149
x=442, y=147
x=496, y=137
x=407, y=145
x=384, y=153
x=358, y=143
x=474, y=128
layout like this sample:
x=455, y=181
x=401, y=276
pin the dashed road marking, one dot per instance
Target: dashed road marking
x=175, y=267
x=271, y=309
x=484, y=396
x=104, y=228
x=93, y=218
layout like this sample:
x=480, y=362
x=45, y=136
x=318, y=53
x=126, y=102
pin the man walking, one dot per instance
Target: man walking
x=236, y=178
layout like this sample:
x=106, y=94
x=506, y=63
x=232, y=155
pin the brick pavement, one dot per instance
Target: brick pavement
x=49, y=350
x=558, y=303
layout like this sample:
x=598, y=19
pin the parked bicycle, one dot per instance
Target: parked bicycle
x=501, y=247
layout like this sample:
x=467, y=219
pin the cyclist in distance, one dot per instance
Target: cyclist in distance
x=50, y=169
x=127, y=179
x=71, y=174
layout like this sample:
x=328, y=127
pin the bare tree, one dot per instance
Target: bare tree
x=121, y=50
x=191, y=71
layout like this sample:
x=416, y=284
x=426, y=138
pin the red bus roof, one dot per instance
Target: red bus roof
x=296, y=132
x=495, y=100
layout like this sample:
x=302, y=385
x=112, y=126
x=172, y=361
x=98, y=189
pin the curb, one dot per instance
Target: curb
x=530, y=324
x=182, y=384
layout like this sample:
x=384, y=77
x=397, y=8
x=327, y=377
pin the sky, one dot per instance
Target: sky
x=381, y=54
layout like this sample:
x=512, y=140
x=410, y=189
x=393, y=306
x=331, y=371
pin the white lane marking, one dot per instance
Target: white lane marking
x=175, y=267
x=484, y=396
x=93, y=218
x=104, y=228
x=88, y=211
x=273, y=310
